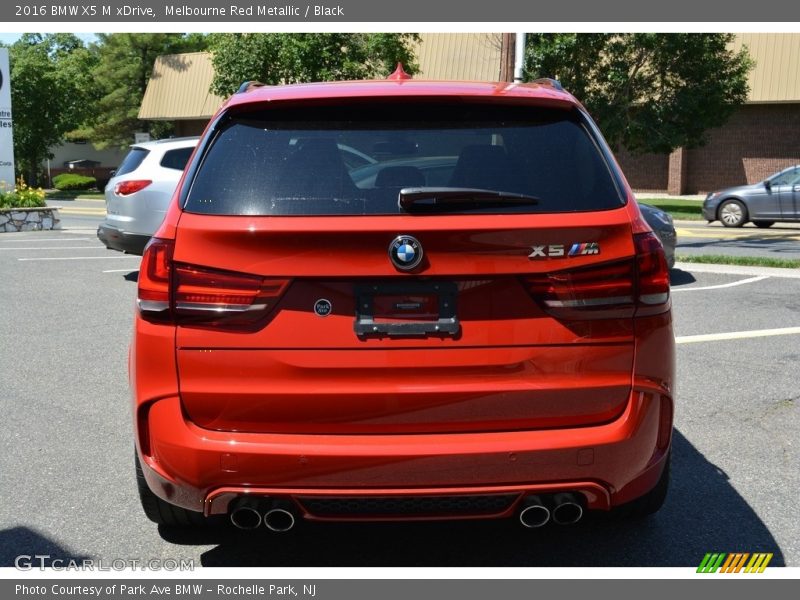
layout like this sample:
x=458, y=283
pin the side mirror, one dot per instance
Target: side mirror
x=768, y=185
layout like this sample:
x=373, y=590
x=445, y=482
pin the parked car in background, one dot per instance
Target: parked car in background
x=661, y=224
x=777, y=198
x=140, y=190
x=314, y=344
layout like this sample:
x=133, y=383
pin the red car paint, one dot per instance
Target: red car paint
x=531, y=397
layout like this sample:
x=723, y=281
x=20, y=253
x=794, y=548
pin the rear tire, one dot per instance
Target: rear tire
x=732, y=213
x=763, y=224
x=162, y=512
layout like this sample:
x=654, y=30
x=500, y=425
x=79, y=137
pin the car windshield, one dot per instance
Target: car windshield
x=788, y=177
x=300, y=161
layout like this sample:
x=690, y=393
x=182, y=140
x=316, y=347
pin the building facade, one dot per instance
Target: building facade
x=762, y=137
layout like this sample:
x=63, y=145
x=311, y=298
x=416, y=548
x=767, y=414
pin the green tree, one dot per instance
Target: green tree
x=125, y=64
x=49, y=83
x=648, y=92
x=277, y=58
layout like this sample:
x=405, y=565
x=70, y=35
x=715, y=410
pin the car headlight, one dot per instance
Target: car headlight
x=711, y=196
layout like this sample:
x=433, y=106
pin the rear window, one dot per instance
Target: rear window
x=301, y=161
x=132, y=161
x=176, y=159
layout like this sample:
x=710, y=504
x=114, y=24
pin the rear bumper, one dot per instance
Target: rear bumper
x=116, y=239
x=203, y=470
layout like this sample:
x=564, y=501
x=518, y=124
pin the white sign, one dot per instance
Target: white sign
x=6, y=128
x=140, y=137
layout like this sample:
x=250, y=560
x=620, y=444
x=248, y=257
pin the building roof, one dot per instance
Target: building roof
x=179, y=88
x=776, y=75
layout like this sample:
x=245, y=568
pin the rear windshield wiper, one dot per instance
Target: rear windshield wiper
x=453, y=198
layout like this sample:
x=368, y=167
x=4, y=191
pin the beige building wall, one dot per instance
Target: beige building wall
x=461, y=56
x=776, y=74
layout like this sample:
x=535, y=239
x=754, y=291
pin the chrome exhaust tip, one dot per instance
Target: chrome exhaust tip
x=568, y=509
x=280, y=517
x=534, y=513
x=246, y=515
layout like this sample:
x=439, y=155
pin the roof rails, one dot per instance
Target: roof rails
x=549, y=81
x=249, y=86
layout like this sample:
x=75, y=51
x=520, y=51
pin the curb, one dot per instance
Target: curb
x=739, y=270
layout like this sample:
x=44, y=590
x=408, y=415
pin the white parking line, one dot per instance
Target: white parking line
x=722, y=285
x=120, y=270
x=57, y=248
x=736, y=335
x=82, y=258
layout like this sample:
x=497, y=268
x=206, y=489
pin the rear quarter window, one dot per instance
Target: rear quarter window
x=176, y=159
x=299, y=161
x=132, y=161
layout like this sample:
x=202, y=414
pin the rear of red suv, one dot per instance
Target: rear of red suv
x=479, y=328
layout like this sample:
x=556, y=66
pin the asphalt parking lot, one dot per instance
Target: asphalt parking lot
x=67, y=460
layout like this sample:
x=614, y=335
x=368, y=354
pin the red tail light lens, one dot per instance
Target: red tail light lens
x=212, y=296
x=126, y=188
x=652, y=274
x=601, y=291
x=617, y=289
x=188, y=294
x=155, y=274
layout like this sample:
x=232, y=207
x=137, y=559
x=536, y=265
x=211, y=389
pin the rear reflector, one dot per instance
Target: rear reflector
x=190, y=294
x=637, y=286
x=126, y=188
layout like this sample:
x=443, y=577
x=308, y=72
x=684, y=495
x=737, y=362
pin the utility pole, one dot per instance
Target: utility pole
x=519, y=57
x=507, y=57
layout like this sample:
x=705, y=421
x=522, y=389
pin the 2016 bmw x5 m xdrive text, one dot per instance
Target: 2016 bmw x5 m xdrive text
x=493, y=340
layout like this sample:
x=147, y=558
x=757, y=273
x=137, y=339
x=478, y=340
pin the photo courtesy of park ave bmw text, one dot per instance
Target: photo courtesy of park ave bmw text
x=336, y=300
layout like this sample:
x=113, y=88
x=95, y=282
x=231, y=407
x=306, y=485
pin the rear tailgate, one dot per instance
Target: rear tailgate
x=510, y=365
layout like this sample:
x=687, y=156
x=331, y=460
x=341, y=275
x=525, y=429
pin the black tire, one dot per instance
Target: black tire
x=162, y=512
x=651, y=502
x=732, y=213
x=763, y=224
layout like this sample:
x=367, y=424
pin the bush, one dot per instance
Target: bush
x=22, y=197
x=70, y=181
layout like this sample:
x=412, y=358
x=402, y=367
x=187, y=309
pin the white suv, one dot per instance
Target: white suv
x=139, y=193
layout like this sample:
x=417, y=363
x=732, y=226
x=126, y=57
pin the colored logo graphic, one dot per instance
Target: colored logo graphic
x=405, y=252
x=736, y=562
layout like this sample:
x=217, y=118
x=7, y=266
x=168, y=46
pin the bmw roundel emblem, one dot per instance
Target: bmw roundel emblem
x=405, y=252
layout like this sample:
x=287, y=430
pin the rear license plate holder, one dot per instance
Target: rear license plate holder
x=368, y=323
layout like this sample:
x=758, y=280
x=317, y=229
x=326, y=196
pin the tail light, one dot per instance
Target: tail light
x=652, y=275
x=126, y=188
x=187, y=294
x=619, y=289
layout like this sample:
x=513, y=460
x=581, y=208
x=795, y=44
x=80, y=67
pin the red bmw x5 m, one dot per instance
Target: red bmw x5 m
x=472, y=320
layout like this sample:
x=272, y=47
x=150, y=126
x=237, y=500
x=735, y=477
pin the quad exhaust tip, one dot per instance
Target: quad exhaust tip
x=534, y=513
x=246, y=514
x=279, y=520
x=249, y=513
x=563, y=509
x=568, y=510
